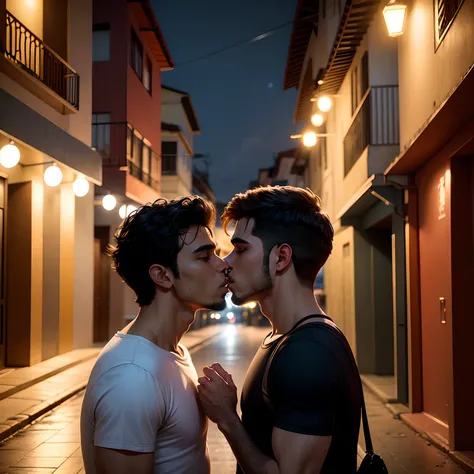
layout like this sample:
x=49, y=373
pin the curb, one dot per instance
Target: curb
x=16, y=423
x=42, y=378
x=457, y=456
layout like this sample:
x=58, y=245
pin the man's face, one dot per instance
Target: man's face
x=202, y=281
x=249, y=275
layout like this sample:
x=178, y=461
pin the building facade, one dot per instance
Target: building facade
x=129, y=47
x=396, y=176
x=435, y=61
x=47, y=177
x=178, y=127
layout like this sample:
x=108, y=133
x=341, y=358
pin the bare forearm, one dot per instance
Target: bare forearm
x=249, y=457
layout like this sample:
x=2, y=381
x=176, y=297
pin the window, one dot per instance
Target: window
x=136, y=56
x=146, y=160
x=147, y=74
x=101, y=42
x=101, y=132
x=137, y=144
x=359, y=82
x=445, y=12
x=169, y=152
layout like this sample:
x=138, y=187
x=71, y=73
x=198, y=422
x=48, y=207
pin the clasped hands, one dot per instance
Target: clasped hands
x=218, y=394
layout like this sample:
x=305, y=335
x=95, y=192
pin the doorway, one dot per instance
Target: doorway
x=434, y=188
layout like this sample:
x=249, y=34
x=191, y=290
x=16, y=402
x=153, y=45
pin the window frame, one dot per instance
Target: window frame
x=97, y=28
x=136, y=46
x=148, y=66
x=437, y=37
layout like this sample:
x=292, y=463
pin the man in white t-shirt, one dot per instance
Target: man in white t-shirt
x=140, y=412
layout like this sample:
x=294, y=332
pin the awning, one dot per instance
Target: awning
x=150, y=29
x=305, y=23
x=355, y=21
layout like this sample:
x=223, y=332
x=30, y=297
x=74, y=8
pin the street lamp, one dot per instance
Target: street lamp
x=9, y=155
x=324, y=104
x=80, y=187
x=317, y=120
x=309, y=139
x=109, y=202
x=53, y=175
x=394, y=15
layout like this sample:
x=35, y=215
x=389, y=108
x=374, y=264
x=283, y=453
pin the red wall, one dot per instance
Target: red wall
x=116, y=87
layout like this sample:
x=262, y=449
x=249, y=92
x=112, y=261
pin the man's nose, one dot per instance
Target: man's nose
x=223, y=266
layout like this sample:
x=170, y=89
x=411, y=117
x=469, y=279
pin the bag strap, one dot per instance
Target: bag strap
x=340, y=335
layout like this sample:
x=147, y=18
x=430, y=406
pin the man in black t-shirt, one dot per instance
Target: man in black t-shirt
x=301, y=399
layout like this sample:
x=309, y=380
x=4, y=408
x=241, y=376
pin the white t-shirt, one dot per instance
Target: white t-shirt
x=142, y=398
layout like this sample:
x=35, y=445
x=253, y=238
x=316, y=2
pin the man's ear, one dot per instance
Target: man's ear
x=284, y=256
x=161, y=276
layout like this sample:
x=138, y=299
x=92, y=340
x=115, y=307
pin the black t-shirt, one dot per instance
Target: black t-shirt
x=313, y=389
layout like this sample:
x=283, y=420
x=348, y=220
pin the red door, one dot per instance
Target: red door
x=434, y=187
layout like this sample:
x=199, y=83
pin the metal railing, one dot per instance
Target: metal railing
x=114, y=142
x=138, y=172
x=376, y=122
x=29, y=52
x=110, y=140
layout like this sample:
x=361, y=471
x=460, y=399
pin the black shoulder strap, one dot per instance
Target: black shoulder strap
x=340, y=335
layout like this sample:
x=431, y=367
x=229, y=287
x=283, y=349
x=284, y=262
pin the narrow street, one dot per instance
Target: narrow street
x=52, y=444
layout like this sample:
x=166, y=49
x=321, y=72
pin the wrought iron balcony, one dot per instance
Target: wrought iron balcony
x=27, y=51
x=376, y=123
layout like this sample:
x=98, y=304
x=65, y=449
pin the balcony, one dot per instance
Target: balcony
x=28, y=54
x=375, y=123
x=121, y=148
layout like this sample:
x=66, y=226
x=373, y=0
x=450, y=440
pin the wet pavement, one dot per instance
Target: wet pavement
x=52, y=443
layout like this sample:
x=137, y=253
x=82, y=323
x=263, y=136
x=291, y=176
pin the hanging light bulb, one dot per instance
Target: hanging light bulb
x=324, y=104
x=309, y=139
x=53, y=175
x=317, y=120
x=130, y=209
x=394, y=15
x=9, y=155
x=123, y=211
x=109, y=202
x=80, y=187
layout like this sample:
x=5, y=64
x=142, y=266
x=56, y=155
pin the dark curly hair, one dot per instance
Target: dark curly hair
x=286, y=214
x=154, y=234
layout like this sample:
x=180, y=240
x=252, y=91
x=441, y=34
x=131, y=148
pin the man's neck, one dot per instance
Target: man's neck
x=285, y=308
x=163, y=322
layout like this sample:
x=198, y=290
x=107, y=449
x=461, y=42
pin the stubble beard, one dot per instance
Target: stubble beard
x=263, y=285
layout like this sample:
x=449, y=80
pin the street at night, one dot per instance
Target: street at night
x=52, y=444
x=208, y=172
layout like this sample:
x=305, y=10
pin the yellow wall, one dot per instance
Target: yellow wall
x=29, y=12
x=428, y=76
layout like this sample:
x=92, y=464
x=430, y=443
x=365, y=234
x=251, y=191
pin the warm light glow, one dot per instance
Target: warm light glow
x=250, y=305
x=109, y=202
x=125, y=210
x=53, y=176
x=394, y=14
x=317, y=120
x=9, y=156
x=324, y=104
x=309, y=139
x=217, y=316
x=80, y=187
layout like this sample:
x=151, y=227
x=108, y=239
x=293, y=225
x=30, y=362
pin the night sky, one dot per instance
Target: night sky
x=245, y=115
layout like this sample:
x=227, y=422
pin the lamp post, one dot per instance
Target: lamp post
x=394, y=14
